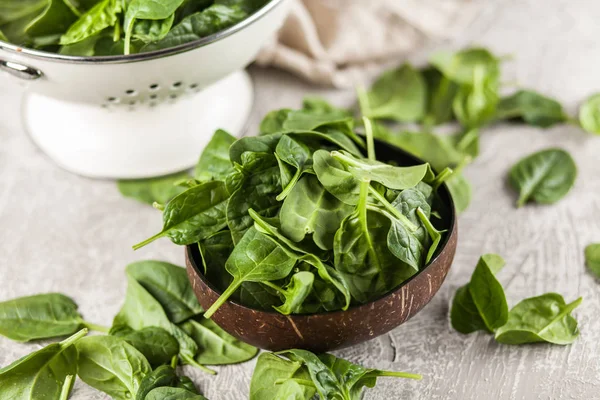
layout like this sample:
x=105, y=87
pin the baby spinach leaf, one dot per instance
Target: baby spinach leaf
x=329, y=137
x=318, y=104
x=435, y=235
x=39, y=317
x=215, y=251
x=160, y=190
x=460, y=190
x=545, y=318
x=531, y=107
x=43, y=373
x=334, y=177
x=475, y=104
x=440, y=94
x=460, y=67
x=169, y=285
x=253, y=144
x=216, y=347
x=296, y=292
x=162, y=376
x=296, y=154
x=103, y=15
x=589, y=114
x=258, y=296
x=399, y=94
x=214, y=162
x=273, y=377
x=257, y=192
x=481, y=304
x=311, y=120
x=592, y=258
x=149, y=31
x=310, y=209
x=194, y=214
x=146, y=9
x=167, y=393
x=111, y=365
x=273, y=121
x=544, y=177
x=255, y=258
x=195, y=26
x=156, y=344
x=336, y=378
x=53, y=20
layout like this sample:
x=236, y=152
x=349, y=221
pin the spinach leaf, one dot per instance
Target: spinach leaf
x=216, y=347
x=149, y=31
x=592, y=258
x=92, y=22
x=310, y=209
x=399, y=94
x=589, y=114
x=545, y=318
x=43, y=373
x=255, y=258
x=258, y=192
x=146, y=9
x=334, y=177
x=256, y=295
x=460, y=190
x=194, y=214
x=318, y=104
x=296, y=292
x=169, y=285
x=329, y=137
x=162, y=376
x=531, y=107
x=460, y=67
x=440, y=94
x=214, y=162
x=435, y=235
x=160, y=190
x=273, y=121
x=254, y=144
x=111, y=365
x=475, y=104
x=544, y=177
x=41, y=316
x=53, y=20
x=195, y=26
x=167, y=393
x=215, y=251
x=275, y=377
x=336, y=378
x=296, y=154
x=481, y=304
x=156, y=344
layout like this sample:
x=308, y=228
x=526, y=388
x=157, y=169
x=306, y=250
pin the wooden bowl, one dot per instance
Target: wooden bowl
x=337, y=329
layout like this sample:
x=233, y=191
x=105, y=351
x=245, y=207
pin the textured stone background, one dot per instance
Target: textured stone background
x=61, y=232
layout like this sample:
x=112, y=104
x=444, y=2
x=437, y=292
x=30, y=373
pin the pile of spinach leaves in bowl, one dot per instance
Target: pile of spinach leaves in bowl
x=299, y=220
x=116, y=27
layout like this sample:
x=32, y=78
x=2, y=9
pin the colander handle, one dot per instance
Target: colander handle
x=20, y=71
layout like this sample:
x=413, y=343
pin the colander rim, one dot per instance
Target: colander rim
x=151, y=55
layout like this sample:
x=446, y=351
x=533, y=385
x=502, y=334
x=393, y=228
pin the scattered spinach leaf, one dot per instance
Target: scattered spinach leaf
x=532, y=108
x=589, y=114
x=592, y=258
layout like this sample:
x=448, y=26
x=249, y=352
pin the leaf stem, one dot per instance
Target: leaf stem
x=288, y=188
x=274, y=286
x=393, y=210
x=193, y=363
x=303, y=382
x=441, y=178
x=174, y=361
x=370, y=140
x=72, y=339
x=97, y=328
x=67, y=387
x=363, y=101
x=407, y=375
x=148, y=241
x=222, y=299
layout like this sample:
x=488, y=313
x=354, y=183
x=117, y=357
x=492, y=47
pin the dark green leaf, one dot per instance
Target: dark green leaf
x=273, y=121
x=39, y=317
x=214, y=162
x=532, y=108
x=215, y=251
x=160, y=190
x=544, y=177
x=41, y=374
x=156, y=344
x=162, y=376
x=166, y=393
x=545, y=318
x=253, y=144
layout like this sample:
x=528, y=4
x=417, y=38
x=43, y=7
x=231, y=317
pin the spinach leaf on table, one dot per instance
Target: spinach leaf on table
x=399, y=94
x=545, y=318
x=255, y=258
x=103, y=15
x=168, y=393
x=544, y=177
x=214, y=163
x=481, y=304
x=165, y=377
x=274, y=377
x=531, y=107
x=40, y=316
x=589, y=114
x=43, y=373
x=150, y=190
x=592, y=258
x=310, y=209
x=194, y=214
x=111, y=365
x=156, y=344
x=169, y=285
x=216, y=347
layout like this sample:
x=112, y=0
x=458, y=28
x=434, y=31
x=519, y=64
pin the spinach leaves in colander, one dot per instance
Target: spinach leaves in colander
x=114, y=27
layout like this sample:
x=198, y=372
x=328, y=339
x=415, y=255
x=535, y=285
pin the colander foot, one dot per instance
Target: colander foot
x=137, y=140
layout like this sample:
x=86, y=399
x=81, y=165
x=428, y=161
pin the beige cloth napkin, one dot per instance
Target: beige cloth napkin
x=345, y=42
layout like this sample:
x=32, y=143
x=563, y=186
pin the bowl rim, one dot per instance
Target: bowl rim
x=192, y=251
x=151, y=55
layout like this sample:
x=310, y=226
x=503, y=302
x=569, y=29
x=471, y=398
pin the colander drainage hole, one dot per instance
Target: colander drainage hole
x=173, y=96
x=153, y=96
x=176, y=85
x=154, y=86
x=132, y=103
x=112, y=100
x=131, y=92
x=193, y=86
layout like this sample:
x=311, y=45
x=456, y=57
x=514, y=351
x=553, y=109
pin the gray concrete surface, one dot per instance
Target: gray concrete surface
x=61, y=232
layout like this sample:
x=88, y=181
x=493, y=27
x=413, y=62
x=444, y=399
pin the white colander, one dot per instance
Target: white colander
x=144, y=114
